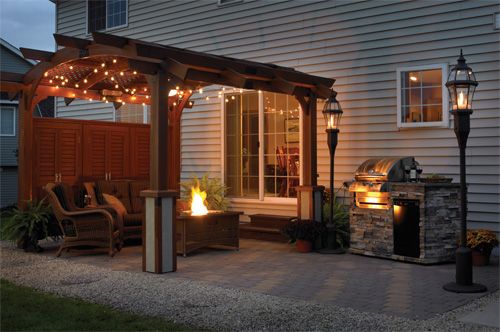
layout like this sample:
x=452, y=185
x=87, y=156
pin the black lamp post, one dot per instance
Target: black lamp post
x=332, y=112
x=461, y=86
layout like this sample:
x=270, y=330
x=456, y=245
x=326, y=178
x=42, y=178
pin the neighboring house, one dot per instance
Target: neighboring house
x=11, y=60
x=390, y=60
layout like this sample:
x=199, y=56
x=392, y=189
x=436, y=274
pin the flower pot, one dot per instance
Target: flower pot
x=479, y=258
x=303, y=246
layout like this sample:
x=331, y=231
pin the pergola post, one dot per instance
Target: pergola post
x=159, y=245
x=25, y=150
x=309, y=194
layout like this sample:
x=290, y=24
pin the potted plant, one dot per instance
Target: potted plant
x=302, y=233
x=341, y=222
x=27, y=226
x=215, y=189
x=482, y=242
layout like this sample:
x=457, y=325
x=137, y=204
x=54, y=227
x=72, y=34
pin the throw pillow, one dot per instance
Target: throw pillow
x=115, y=203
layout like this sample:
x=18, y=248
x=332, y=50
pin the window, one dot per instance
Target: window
x=132, y=113
x=106, y=14
x=270, y=169
x=7, y=121
x=422, y=97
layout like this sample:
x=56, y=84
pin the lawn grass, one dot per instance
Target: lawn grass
x=26, y=309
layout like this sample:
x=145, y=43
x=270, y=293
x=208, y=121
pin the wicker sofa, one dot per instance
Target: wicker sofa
x=128, y=192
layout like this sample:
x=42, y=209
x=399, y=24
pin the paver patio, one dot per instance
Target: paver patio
x=358, y=282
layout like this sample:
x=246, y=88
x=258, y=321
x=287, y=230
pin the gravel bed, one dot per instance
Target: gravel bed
x=202, y=305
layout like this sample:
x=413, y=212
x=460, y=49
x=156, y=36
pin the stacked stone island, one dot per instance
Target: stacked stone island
x=372, y=229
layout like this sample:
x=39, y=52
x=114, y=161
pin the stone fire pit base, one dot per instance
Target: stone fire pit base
x=215, y=228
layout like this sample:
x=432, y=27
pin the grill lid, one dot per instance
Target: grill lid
x=383, y=169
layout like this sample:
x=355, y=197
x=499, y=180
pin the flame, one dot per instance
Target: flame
x=461, y=101
x=198, y=197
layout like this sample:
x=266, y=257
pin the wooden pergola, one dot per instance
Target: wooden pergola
x=121, y=70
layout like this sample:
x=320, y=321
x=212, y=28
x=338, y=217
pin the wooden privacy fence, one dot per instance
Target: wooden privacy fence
x=74, y=151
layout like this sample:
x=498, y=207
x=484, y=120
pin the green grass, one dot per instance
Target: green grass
x=26, y=309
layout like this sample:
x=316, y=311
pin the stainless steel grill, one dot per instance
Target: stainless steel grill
x=373, y=178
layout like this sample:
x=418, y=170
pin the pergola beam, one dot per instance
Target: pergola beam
x=39, y=55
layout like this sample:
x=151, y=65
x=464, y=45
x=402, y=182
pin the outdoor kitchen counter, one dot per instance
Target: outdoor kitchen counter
x=436, y=207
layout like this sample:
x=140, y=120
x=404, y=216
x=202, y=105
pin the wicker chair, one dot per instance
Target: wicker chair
x=82, y=226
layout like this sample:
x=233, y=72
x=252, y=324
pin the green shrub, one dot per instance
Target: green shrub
x=26, y=226
x=341, y=220
x=215, y=189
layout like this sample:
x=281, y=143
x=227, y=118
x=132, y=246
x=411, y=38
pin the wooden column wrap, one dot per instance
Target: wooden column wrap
x=25, y=152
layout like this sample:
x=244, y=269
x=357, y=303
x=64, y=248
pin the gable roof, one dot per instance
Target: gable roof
x=16, y=51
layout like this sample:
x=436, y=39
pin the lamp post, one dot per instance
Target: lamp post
x=332, y=112
x=461, y=85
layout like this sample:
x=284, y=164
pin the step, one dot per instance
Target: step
x=269, y=220
x=248, y=231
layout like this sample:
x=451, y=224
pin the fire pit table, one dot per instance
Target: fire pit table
x=215, y=228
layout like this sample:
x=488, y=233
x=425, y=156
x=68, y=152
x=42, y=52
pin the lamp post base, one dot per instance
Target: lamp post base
x=327, y=251
x=463, y=274
x=458, y=288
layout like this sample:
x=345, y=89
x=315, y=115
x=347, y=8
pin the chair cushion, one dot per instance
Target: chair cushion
x=119, y=189
x=135, y=195
x=134, y=219
x=61, y=197
x=115, y=203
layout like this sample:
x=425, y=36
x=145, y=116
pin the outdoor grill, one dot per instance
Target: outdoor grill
x=393, y=214
x=373, y=179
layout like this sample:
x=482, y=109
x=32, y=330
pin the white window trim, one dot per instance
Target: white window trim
x=105, y=29
x=262, y=197
x=445, y=103
x=14, y=121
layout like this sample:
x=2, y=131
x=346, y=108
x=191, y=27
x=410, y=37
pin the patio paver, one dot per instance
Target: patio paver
x=358, y=282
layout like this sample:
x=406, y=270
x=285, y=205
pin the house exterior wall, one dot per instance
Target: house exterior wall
x=359, y=43
x=9, y=62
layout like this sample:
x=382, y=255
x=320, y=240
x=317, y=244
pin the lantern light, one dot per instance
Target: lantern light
x=332, y=112
x=461, y=85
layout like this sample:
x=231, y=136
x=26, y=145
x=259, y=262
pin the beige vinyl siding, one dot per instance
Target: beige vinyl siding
x=361, y=44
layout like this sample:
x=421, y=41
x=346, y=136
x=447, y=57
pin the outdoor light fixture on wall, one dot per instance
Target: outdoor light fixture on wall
x=461, y=86
x=332, y=112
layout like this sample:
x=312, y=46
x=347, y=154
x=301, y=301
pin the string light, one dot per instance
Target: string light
x=71, y=67
x=175, y=104
x=121, y=73
x=145, y=89
x=232, y=97
x=46, y=74
x=106, y=72
x=76, y=85
x=90, y=99
x=95, y=70
x=126, y=90
x=190, y=103
x=241, y=90
x=112, y=78
x=114, y=60
x=147, y=97
x=177, y=88
x=143, y=104
x=208, y=98
x=227, y=100
x=85, y=91
x=63, y=83
x=135, y=73
x=50, y=81
x=223, y=89
x=85, y=80
x=57, y=86
x=62, y=77
x=116, y=86
x=103, y=65
x=190, y=91
x=200, y=90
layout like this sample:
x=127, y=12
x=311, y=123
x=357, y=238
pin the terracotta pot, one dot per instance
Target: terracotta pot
x=479, y=258
x=303, y=246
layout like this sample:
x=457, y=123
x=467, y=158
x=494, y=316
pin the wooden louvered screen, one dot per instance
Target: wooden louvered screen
x=75, y=151
x=118, y=152
x=139, y=151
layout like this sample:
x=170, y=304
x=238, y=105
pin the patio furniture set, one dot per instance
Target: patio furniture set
x=115, y=213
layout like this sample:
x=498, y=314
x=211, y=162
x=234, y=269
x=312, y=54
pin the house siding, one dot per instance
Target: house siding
x=360, y=44
x=10, y=62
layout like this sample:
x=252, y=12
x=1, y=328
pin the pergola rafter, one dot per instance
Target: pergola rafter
x=123, y=70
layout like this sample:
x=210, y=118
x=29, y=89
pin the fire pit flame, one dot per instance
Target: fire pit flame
x=198, y=197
